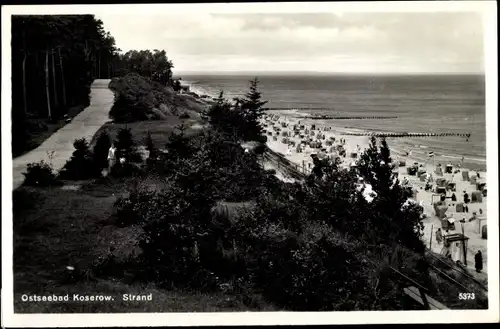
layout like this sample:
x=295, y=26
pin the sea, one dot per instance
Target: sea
x=416, y=103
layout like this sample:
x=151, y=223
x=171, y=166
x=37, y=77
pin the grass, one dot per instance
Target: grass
x=55, y=228
x=159, y=129
x=36, y=138
x=75, y=228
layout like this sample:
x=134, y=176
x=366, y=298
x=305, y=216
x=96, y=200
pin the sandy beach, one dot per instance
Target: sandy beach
x=279, y=129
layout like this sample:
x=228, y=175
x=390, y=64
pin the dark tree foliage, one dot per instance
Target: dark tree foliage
x=394, y=220
x=150, y=146
x=223, y=117
x=241, y=119
x=319, y=245
x=136, y=97
x=177, y=85
x=101, y=149
x=55, y=58
x=81, y=164
x=40, y=174
x=125, y=145
x=153, y=65
x=251, y=109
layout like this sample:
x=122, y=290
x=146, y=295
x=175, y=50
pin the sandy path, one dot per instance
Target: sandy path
x=85, y=124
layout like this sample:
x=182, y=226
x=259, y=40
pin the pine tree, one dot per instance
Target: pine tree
x=101, y=150
x=393, y=220
x=80, y=165
x=124, y=143
x=252, y=109
x=148, y=141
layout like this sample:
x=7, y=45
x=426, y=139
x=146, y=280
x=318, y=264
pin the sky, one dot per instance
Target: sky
x=356, y=42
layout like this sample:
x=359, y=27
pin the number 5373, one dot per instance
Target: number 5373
x=466, y=296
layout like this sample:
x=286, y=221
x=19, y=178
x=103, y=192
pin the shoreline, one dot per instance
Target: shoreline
x=277, y=124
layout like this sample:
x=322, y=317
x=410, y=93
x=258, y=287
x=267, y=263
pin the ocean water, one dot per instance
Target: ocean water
x=444, y=103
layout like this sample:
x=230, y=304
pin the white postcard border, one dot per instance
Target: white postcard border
x=10, y=319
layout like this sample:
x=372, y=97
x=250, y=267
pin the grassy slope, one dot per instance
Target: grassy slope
x=56, y=228
x=75, y=228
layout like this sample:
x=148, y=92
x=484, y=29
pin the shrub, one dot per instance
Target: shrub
x=80, y=165
x=101, y=149
x=135, y=98
x=148, y=141
x=125, y=145
x=40, y=174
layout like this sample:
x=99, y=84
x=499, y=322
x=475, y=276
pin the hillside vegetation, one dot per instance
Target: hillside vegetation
x=190, y=215
x=138, y=98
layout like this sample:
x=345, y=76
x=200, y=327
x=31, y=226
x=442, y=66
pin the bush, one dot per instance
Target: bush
x=101, y=149
x=148, y=141
x=40, y=174
x=135, y=98
x=80, y=165
x=125, y=145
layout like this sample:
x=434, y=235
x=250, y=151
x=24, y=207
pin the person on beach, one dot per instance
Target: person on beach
x=478, y=259
x=466, y=197
x=439, y=236
x=453, y=197
x=480, y=211
x=111, y=157
x=474, y=217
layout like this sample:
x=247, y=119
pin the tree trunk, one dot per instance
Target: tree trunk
x=25, y=99
x=54, y=84
x=99, y=65
x=63, y=85
x=109, y=71
x=47, y=83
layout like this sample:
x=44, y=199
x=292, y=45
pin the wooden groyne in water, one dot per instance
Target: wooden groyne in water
x=300, y=108
x=410, y=134
x=328, y=117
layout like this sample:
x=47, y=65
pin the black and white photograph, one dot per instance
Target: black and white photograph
x=249, y=163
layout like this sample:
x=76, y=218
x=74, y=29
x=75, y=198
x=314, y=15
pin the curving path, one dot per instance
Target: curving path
x=85, y=124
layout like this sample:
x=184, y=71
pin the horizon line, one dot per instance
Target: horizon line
x=246, y=72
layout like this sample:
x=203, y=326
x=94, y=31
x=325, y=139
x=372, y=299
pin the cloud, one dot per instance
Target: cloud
x=392, y=41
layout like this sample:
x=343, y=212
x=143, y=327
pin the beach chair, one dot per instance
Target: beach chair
x=459, y=207
x=354, y=155
x=439, y=171
x=451, y=187
x=412, y=171
x=421, y=172
x=402, y=163
x=449, y=169
x=441, y=211
x=473, y=180
x=480, y=186
x=484, y=232
x=465, y=175
x=441, y=182
x=440, y=190
x=476, y=197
